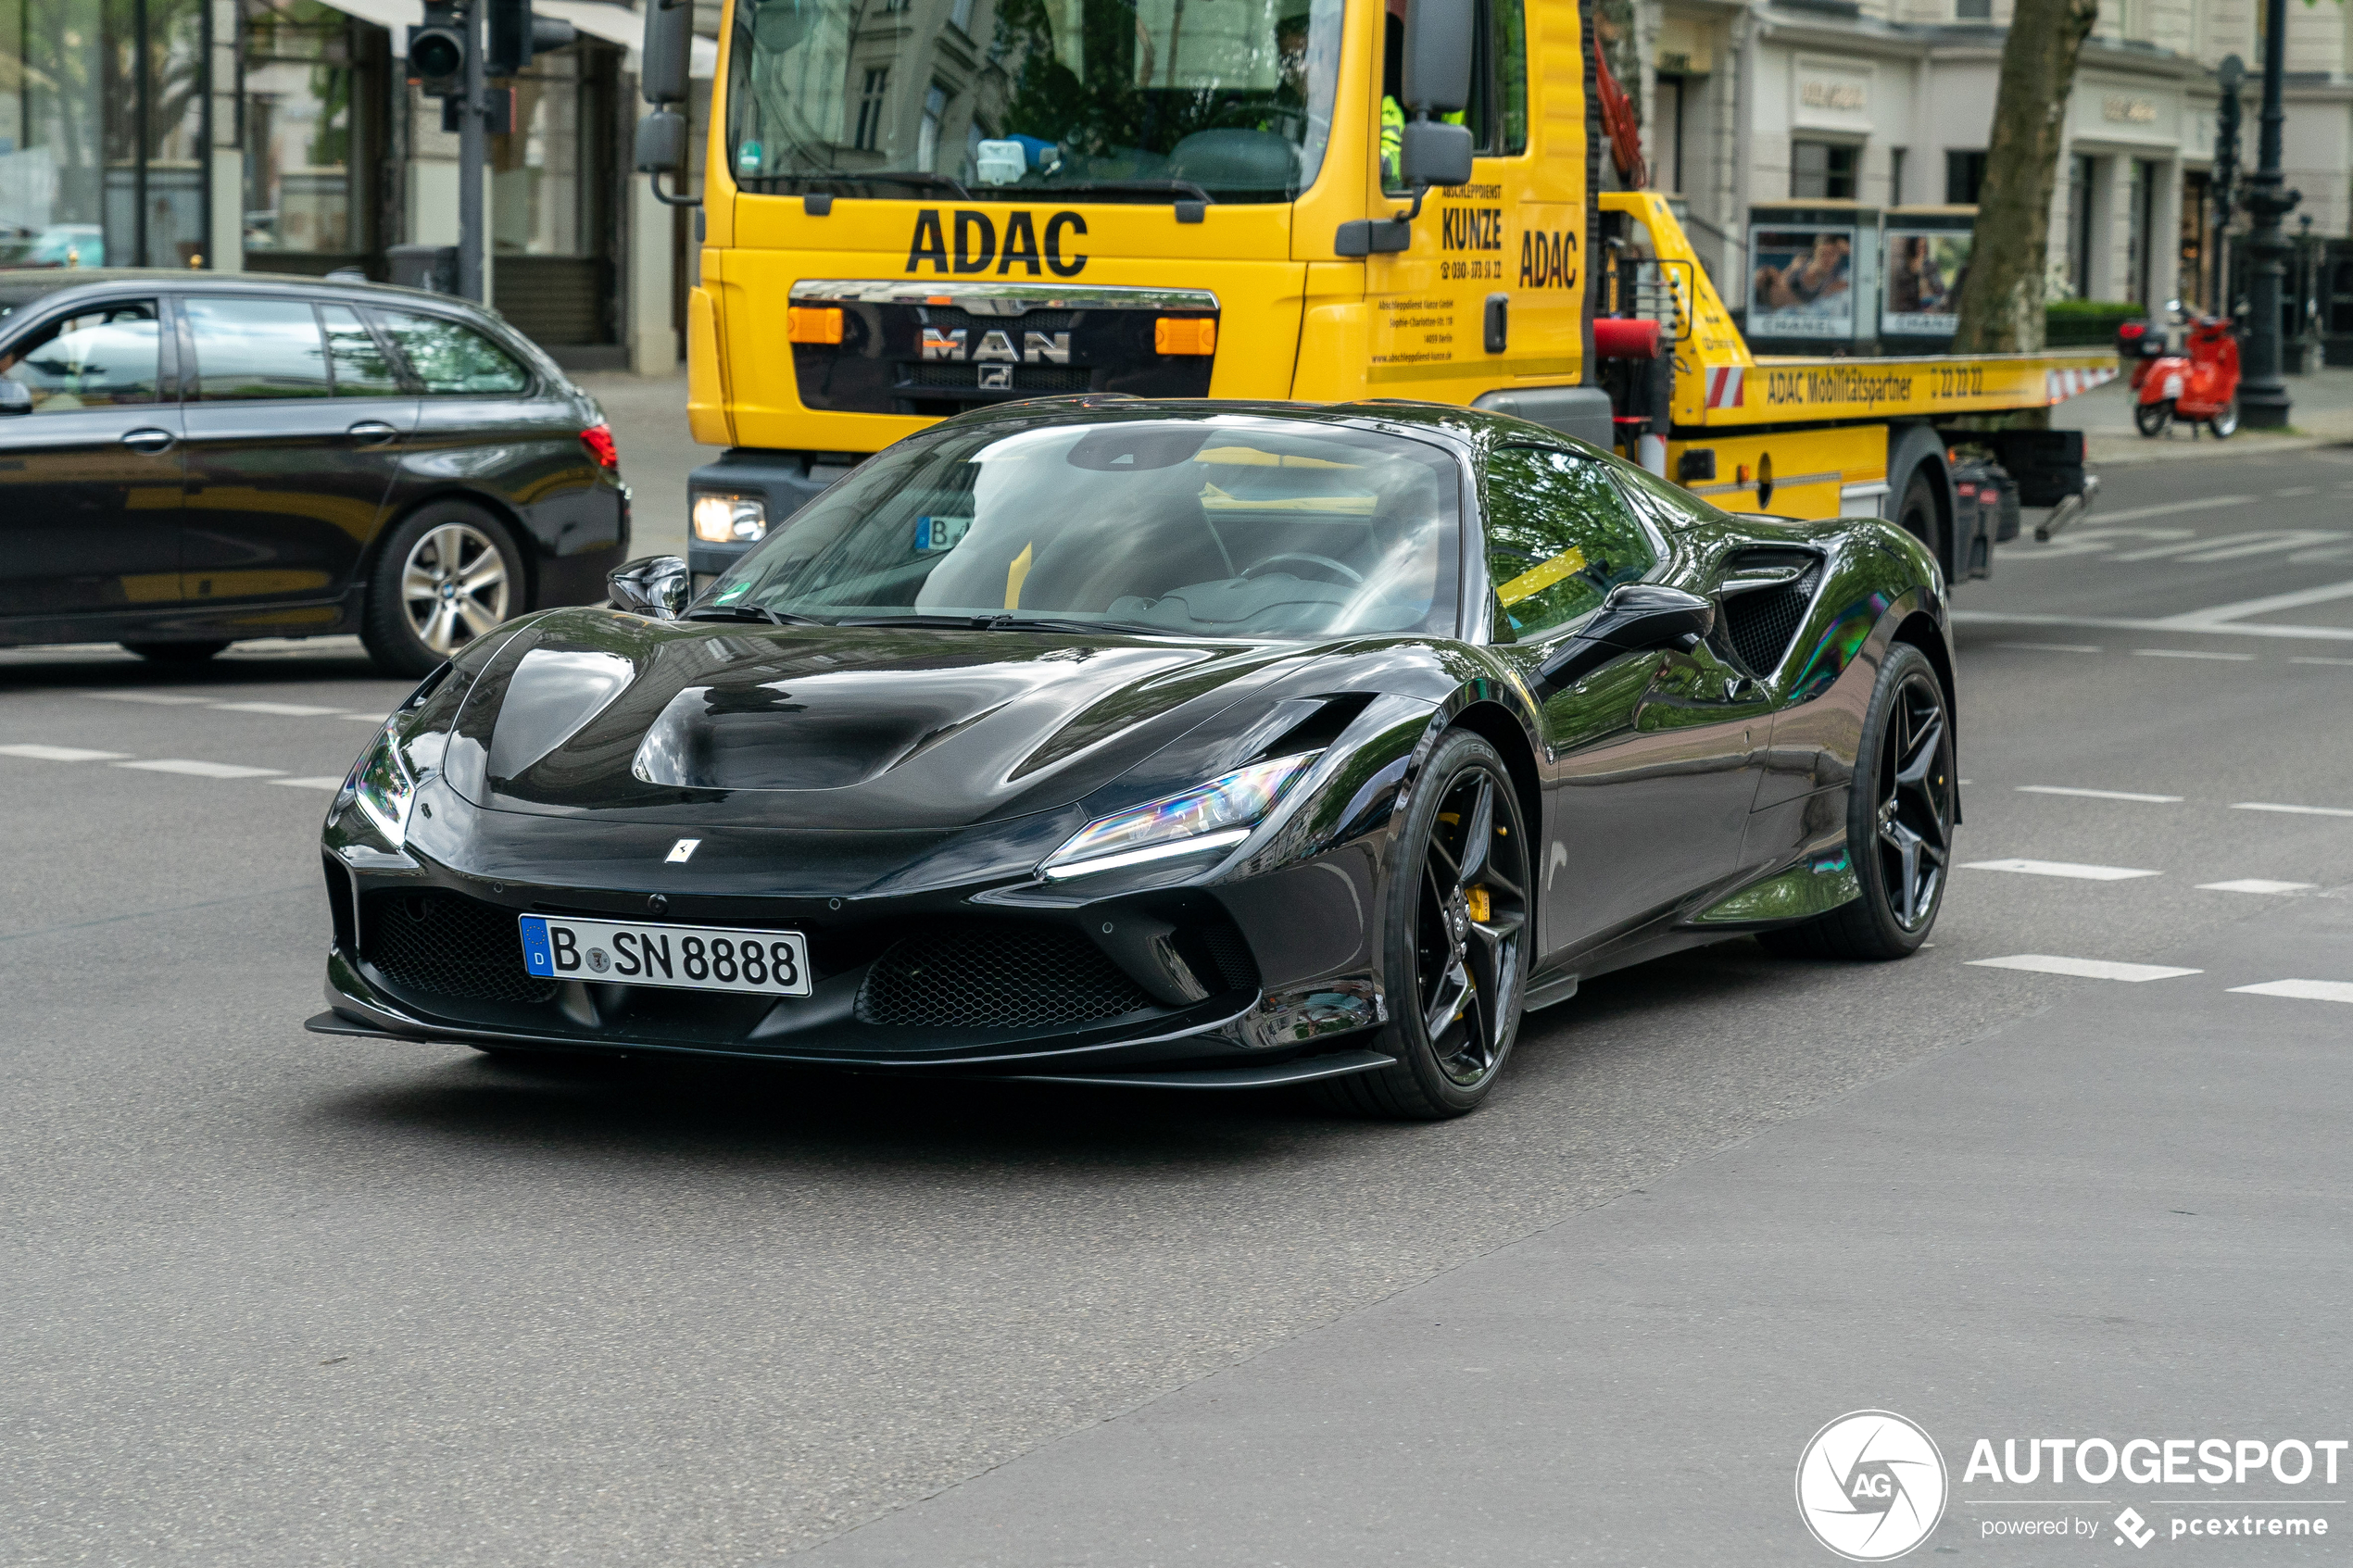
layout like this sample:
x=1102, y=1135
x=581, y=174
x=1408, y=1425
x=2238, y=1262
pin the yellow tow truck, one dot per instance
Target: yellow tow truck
x=912, y=207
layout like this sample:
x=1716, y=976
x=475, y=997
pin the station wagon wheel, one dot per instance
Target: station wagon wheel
x=1458, y=939
x=446, y=575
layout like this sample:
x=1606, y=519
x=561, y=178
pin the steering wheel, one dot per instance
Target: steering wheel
x=1342, y=568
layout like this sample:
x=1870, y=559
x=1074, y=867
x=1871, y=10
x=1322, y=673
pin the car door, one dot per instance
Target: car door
x=91, y=475
x=296, y=420
x=1650, y=758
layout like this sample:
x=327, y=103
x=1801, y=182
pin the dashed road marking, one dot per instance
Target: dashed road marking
x=2292, y=810
x=2193, y=653
x=2099, y=794
x=160, y=698
x=2309, y=659
x=60, y=753
x=202, y=770
x=2301, y=990
x=280, y=710
x=2299, y=490
x=321, y=782
x=2059, y=868
x=2063, y=647
x=2083, y=969
x=2258, y=884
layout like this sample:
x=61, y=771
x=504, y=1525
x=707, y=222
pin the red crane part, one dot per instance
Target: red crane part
x=1617, y=337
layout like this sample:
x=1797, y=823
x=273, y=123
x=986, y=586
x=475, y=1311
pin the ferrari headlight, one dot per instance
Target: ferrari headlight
x=1218, y=815
x=381, y=785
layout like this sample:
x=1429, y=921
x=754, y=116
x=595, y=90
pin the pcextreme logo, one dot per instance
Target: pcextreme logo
x=1871, y=1485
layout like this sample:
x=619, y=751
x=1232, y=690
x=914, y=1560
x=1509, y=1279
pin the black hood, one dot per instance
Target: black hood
x=588, y=710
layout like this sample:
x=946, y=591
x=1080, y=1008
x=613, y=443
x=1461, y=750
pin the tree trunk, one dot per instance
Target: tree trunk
x=2002, y=300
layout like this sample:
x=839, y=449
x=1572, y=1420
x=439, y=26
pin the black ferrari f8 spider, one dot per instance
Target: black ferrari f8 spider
x=1179, y=744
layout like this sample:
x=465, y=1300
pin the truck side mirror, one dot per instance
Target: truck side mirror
x=1433, y=153
x=662, y=79
x=1438, y=56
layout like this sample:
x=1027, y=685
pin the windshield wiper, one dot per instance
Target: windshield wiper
x=1182, y=189
x=1006, y=624
x=921, y=182
x=750, y=612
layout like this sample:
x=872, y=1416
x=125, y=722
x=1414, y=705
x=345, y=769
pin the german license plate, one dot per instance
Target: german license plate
x=691, y=958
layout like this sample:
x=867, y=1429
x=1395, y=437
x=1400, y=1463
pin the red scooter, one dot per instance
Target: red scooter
x=2200, y=386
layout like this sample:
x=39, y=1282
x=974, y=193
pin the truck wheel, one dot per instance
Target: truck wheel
x=446, y=575
x=2150, y=418
x=1918, y=516
x=2225, y=423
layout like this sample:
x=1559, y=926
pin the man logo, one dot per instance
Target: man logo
x=682, y=850
x=1871, y=1485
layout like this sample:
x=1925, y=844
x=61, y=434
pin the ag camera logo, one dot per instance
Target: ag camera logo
x=1871, y=1485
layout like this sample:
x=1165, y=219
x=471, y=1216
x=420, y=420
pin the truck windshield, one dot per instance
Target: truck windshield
x=1028, y=100
x=1224, y=526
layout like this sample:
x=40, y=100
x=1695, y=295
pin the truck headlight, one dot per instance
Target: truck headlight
x=730, y=519
x=1216, y=815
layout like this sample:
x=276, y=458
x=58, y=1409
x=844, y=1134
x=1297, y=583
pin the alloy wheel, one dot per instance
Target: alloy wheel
x=453, y=586
x=1915, y=809
x=1471, y=918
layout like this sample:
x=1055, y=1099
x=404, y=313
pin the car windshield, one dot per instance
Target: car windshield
x=1224, y=526
x=1025, y=100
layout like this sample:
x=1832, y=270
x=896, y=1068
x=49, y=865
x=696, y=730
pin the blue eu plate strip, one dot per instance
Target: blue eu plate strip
x=535, y=955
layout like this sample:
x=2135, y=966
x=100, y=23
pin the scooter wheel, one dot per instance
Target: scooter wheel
x=2150, y=418
x=2225, y=421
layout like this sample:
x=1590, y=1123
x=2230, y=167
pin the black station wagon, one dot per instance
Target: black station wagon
x=188, y=460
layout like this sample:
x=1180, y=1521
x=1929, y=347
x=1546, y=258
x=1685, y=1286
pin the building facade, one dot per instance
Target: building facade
x=283, y=136
x=1888, y=103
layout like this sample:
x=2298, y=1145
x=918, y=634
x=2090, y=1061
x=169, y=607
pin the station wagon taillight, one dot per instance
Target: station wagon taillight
x=599, y=442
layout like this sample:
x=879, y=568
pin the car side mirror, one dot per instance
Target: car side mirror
x=15, y=397
x=1636, y=617
x=659, y=586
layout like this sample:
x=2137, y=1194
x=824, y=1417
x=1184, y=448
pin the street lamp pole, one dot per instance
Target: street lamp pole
x=2263, y=400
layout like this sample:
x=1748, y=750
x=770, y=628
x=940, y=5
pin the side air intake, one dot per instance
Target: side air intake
x=1764, y=598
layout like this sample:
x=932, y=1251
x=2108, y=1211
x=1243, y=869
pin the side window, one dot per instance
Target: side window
x=450, y=356
x=1497, y=114
x=1559, y=537
x=107, y=357
x=361, y=367
x=255, y=348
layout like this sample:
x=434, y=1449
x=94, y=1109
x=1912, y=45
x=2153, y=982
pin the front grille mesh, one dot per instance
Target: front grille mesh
x=1761, y=624
x=1236, y=967
x=995, y=977
x=947, y=318
x=1027, y=378
x=451, y=946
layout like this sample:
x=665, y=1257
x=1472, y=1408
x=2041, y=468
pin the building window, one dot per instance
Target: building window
x=2079, y=226
x=2140, y=227
x=1964, y=176
x=1822, y=170
x=927, y=133
x=1896, y=176
x=301, y=199
x=870, y=108
x=1972, y=10
x=960, y=16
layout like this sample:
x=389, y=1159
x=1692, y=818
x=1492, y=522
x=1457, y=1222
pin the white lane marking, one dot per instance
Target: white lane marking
x=2062, y=648
x=2307, y=659
x=60, y=753
x=2098, y=793
x=379, y=718
x=2258, y=884
x=202, y=770
x=2058, y=868
x=161, y=698
x=283, y=709
x=2236, y=547
x=2299, y=490
x=2135, y=513
x=2191, y=653
x=336, y=783
x=2124, y=623
x=2301, y=990
x=2292, y=810
x=2191, y=620
x=2083, y=969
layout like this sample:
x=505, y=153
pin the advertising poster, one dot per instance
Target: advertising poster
x=1924, y=272
x=1804, y=284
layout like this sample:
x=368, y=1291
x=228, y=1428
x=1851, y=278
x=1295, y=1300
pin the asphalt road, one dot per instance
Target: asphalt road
x=275, y=1299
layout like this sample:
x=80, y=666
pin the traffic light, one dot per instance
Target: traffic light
x=437, y=51
x=516, y=35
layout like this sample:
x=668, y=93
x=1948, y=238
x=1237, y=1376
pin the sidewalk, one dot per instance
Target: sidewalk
x=2322, y=416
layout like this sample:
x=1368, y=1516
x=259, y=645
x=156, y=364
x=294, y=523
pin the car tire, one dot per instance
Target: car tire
x=2225, y=423
x=446, y=575
x=1902, y=811
x=1457, y=928
x=175, y=653
x=2150, y=418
